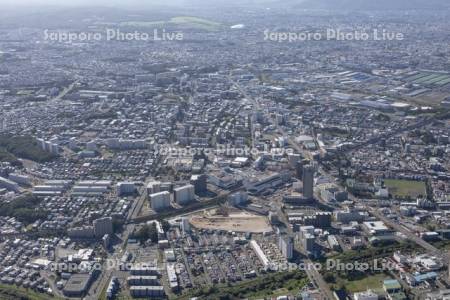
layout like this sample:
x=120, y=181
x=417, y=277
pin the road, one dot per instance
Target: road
x=388, y=135
x=137, y=205
x=64, y=92
x=410, y=235
x=313, y=274
x=101, y=283
x=395, y=225
x=318, y=279
x=132, y=219
x=187, y=209
x=255, y=101
x=45, y=274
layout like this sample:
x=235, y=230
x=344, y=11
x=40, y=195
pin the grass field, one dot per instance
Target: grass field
x=274, y=284
x=14, y=292
x=182, y=22
x=374, y=282
x=443, y=245
x=405, y=188
x=429, y=78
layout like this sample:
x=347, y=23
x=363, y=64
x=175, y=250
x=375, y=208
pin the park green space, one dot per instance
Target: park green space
x=182, y=22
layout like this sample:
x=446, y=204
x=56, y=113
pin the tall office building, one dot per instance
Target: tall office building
x=319, y=219
x=185, y=226
x=200, y=183
x=308, y=181
x=286, y=245
x=125, y=188
x=307, y=238
x=185, y=194
x=160, y=201
x=298, y=165
x=293, y=159
x=103, y=226
x=153, y=187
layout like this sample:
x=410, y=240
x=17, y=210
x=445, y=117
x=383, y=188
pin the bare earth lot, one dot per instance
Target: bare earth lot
x=236, y=221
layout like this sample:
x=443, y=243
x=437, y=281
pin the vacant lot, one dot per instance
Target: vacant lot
x=239, y=221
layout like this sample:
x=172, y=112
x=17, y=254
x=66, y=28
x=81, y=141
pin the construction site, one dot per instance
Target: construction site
x=230, y=220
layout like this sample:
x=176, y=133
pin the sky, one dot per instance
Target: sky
x=128, y=3
x=122, y=2
x=90, y=2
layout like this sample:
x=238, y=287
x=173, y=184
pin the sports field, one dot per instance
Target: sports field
x=405, y=188
x=373, y=282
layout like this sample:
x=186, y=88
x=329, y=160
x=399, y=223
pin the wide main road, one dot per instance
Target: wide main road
x=313, y=274
x=397, y=226
x=408, y=233
x=394, y=225
x=101, y=283
x=216, y=200
x=317, y=278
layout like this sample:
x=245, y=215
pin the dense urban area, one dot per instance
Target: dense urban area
x=244, y=151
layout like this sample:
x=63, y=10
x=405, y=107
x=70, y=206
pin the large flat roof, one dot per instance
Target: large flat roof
x=77, y=283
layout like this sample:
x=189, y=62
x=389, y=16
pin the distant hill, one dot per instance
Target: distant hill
x=374, y=5
x=51, y=17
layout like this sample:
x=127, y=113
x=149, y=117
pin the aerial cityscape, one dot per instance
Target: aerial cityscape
x=254, y=149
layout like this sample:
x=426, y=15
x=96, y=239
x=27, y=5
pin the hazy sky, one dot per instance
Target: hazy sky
x=92, y=2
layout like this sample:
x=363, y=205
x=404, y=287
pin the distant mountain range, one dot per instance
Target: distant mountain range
x=374, y=4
